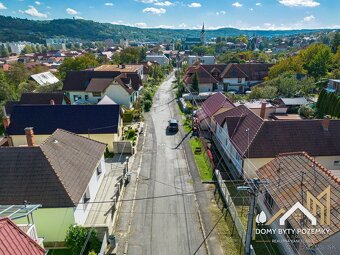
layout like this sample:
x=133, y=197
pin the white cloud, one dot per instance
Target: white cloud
x=78, y=17
x=194, y=5
x=304, y=3
x=153, y=10
x=258, y=4
x=140, y=24
x=71, y=11
x=309, y=18
x=221, y=13
x=2, y=6
x=147, y=1
x=108, y=4
x=251, y=9
x=37, y=3
x=31, y=11
x=237, y=5
x=165, y=3
x=182, y=25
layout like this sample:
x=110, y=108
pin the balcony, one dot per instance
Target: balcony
x=31, y=231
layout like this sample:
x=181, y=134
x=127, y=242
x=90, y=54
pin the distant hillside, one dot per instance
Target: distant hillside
x=15, y=29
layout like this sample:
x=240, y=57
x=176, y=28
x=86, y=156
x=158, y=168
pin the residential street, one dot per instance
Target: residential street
x=165, y=223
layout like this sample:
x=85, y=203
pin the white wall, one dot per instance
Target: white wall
x=161, y=60
x=205, y=87
x=81, y=211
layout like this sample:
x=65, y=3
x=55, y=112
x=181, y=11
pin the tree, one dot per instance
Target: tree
x=4, y=51
x=129, y=55
x=79, y=63
x=289, y=65
x=7, y=92
x=77, y=235
x=28, y=86
x=195, y=85
x=266, y=92
x=27, y=49
x=17, y=74
x=316, y=60
x=142, y=54
x=287, y=85
x=335, y=43
x=307, y=112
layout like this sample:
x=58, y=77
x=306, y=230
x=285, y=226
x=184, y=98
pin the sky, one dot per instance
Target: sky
x=242, y=14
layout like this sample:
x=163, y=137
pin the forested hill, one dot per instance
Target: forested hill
x=15, y=29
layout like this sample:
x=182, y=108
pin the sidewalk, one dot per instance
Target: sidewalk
x=123, y=220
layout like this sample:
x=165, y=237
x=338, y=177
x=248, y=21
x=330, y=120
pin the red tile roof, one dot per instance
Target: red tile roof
x=13, y=241
x=284, y=177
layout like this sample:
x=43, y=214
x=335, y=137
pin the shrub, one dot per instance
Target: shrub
x=131, y=134
x=147, y=105
x=76, y=236
x=147, y=95
x=307, y=112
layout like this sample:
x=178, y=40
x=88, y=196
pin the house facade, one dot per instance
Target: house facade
x=89, y=87
x=237, y=78
x=63, y=174
x=247, y=141
x=160, y=59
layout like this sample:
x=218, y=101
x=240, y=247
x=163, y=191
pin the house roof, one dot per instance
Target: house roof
x=117, y=68
x=294, y=101
x=79, y=80
x=202, y=74
x=106, y=100
x=14, y=241
x=270, y=138
x=99, y=84
x=79, y=119
x=212, y=104
x=45, y=78
x=54, y=174
x=42, y=98
x=251, y=71
x=233, y=71
x=284, y=183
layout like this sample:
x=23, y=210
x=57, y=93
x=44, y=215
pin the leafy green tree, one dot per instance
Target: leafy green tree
x=265, y=92
x=76, y=236
x=129, y=55
x=27, y=49
x=289, y=65
x=4, y=51
x=335, y=43
x=307, y=112
x=28, y=86
x=316, y=59
x=142, y=54
x=33, y=48
x=287, y=85
x=17, y=74
x=7, y=92
x=79, y=63
x=195, y=85
x=147, y=105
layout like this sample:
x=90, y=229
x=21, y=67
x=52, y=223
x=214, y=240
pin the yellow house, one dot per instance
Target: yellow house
x=63, y=174
x=248, y=142
x=102, y=123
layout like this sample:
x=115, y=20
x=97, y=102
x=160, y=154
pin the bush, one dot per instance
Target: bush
x=131, y=134
x=307, y=112
x=76, y=236
x=128, y=116
x=147, y=105
x=147, y=95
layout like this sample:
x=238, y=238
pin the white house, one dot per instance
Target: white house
x=63, y=174
x=205, y=60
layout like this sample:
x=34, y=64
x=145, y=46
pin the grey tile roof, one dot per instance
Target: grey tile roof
x=55, y=174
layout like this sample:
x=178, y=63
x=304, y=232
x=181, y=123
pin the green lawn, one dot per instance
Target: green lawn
x=201, y=160
x=59, y=252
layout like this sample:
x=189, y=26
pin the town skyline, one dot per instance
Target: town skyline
x=246, y=14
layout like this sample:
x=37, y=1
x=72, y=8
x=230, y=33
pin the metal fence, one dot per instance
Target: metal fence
x=231, y=207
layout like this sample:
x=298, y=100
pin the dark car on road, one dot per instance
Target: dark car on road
x=173, y=125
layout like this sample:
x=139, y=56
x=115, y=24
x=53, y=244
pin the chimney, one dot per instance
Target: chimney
x=6, y=121
x=52, y=102
x=263, y=110
x=29, y=136
x=325, y=123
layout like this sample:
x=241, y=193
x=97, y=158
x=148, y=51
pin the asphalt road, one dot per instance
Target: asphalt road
x=167, y=222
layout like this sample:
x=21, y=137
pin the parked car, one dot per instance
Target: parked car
x=173, y=125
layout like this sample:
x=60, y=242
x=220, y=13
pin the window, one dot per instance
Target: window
x=337, y=163
x=76, y=98
x=239, y=80
x=96, y=94
x=99, y=170
x=86, y=97
x=269, y=200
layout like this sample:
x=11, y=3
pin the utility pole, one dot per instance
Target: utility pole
x=253, y=189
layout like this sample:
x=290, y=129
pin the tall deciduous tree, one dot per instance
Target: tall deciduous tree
x=195, y=85
x=335, y=43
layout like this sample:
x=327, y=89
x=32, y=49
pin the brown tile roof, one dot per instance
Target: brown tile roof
x=212, y=104
x=251, y=71
x=202, y=74
x=284, y=177
x=99, y=84
x=270, y=138
x=14, y=241
x=55, y=174
x=233, y=71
